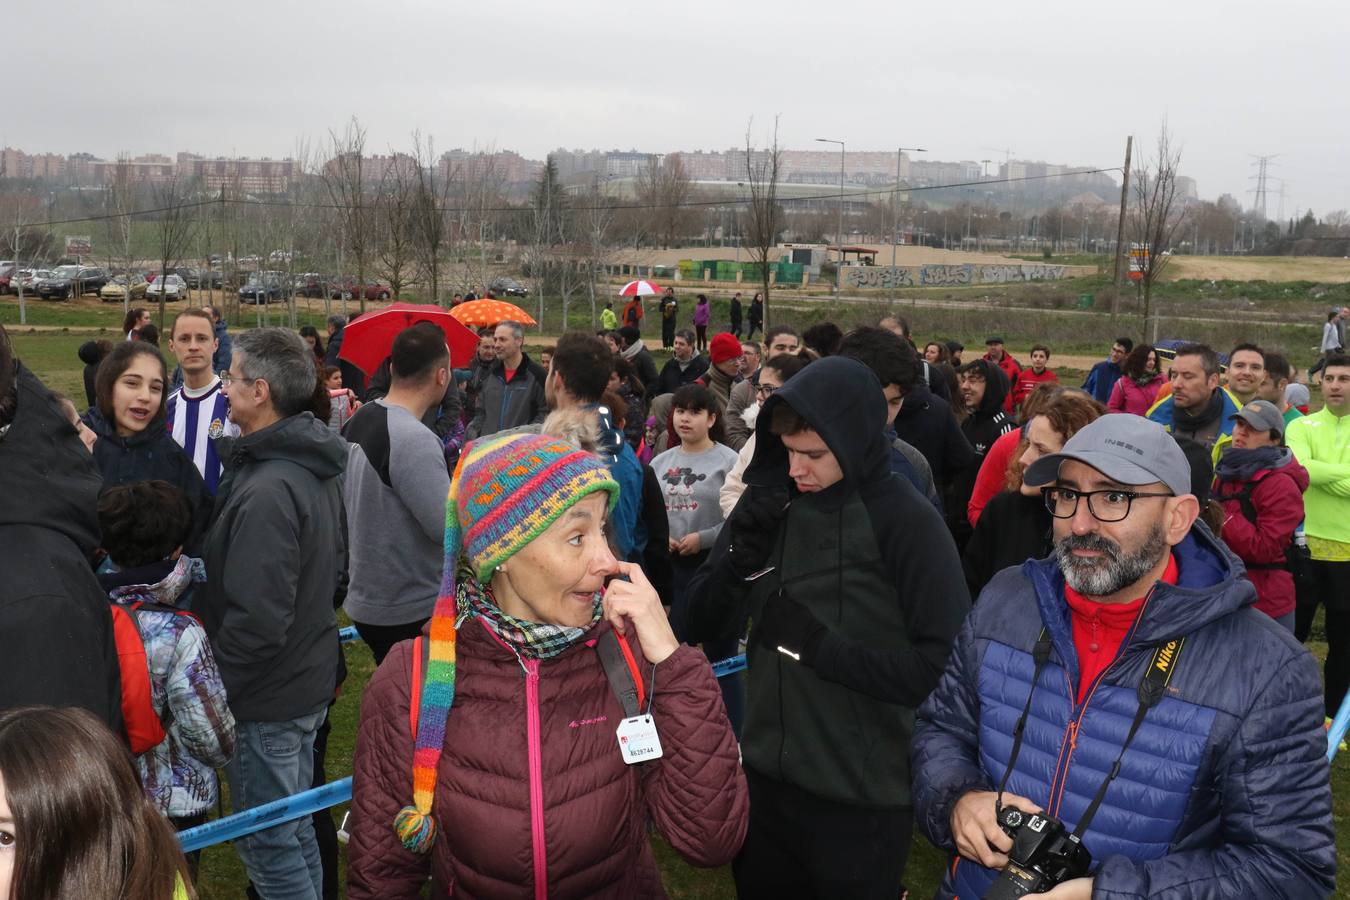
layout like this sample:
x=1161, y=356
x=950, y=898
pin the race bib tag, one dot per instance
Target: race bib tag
x=638, y=741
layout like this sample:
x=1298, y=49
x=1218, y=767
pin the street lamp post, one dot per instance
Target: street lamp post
x=895, y=200
x=839, y=233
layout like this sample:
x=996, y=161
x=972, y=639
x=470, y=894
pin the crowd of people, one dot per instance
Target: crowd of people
x=973, y=600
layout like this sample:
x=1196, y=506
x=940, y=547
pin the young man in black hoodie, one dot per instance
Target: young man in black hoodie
x=984, y=388
x=56, y=638
x=856, y=595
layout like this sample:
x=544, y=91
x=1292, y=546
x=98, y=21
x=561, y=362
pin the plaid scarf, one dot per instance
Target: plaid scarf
x=530, y=640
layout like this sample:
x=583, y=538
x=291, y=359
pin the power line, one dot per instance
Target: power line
x=693, y=204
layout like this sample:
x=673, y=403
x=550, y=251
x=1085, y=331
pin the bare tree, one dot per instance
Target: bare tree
x=393, y=220
x=177, y=222
x=345, y=179
x=764, y=217
x=19, y=240
x=1155, y=216
x=665, y=193
x=431, y=196
x=595, y=225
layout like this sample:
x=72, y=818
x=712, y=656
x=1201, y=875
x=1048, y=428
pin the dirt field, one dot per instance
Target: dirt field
x=1260, y=268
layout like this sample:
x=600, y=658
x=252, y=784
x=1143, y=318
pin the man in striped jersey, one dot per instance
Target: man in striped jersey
x=199, y=410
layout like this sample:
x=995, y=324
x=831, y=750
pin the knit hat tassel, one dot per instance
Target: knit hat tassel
x=417, y=832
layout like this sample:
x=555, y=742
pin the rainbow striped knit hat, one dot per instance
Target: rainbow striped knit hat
x=505, y=492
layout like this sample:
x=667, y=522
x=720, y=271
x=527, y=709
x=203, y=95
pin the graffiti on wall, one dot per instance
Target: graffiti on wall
x=946, y=275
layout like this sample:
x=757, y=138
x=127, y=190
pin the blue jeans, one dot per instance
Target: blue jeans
x=274, y=760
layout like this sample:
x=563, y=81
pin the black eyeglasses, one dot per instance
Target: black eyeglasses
x=765, y=390
x=1110, y=505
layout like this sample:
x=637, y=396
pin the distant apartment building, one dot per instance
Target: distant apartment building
x=255, y=176
x=17, y=164
x=505, y=166
x=149, y=168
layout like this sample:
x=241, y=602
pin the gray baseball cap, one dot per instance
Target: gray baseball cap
x=1261, y=415
x=1125, y=448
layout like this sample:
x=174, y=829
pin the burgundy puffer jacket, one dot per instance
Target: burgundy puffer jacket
x=592, y=810
x=1278, y=499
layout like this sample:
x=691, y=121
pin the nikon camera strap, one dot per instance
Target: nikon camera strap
x=1151, y=689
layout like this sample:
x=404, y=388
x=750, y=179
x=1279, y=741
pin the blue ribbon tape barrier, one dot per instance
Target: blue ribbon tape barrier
x=1339, y=726
x=258, y=818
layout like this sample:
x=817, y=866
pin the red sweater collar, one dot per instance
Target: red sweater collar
x=1115, y=614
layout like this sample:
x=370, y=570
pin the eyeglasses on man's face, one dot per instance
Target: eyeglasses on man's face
x=1108, y=505
x=765, y=390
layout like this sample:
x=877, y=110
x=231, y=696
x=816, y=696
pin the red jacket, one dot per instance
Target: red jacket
x=594, y=810
x=1012, y=370
x=1278, y=499
x=1027, y=382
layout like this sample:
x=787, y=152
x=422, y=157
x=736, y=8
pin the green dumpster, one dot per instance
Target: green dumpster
x=1085, y=301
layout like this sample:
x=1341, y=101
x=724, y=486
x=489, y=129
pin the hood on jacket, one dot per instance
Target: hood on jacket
x=995, y=388
x=89, y=353
x=107, y=431
x=301, y=439
x=1210, y=585
x=47, y=478
x=843, y=402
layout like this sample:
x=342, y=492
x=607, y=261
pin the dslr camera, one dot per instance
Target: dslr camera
x=1043, y=854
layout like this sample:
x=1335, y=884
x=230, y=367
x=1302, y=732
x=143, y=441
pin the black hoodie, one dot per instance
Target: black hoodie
x=56, y=644
x=273, y=556
x=869, y=558
x=985, y=424
x=926, y=422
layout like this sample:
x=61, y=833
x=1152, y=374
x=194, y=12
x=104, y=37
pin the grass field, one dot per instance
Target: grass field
x=51, y=354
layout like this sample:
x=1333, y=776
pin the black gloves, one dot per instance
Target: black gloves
x=753, y=528
x=788, y=627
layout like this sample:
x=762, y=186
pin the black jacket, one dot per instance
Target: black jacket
x=353, y=379
x=1012, y=529
x=870, y=560
x=503, y=405
x=56, y=643
x=926, y=423
x=646, y=370
x=272, y=561
x=673, y=377
x=985, y=424
x=152, y=455
x=735, y=312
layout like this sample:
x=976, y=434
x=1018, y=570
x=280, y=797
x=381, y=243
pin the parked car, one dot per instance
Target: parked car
x=72, y=281
x=201, y=279
x=7, y=273
x=28, y=279
x=507, y=287
x=117, y=290
x=311, y=284
x=260, y=289
x=171, y=287
x=347, y=287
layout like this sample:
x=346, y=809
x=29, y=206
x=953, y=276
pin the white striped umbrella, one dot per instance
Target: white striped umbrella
x=640, y=288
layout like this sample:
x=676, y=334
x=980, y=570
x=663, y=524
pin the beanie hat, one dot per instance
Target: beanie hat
x=505, y=492
x=724, y=346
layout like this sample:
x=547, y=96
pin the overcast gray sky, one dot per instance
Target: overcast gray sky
x=1052, y=79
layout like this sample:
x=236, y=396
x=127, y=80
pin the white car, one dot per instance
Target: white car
x=171, y=287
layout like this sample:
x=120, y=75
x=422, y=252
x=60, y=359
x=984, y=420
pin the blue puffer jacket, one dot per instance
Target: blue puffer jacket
x=1224, y=791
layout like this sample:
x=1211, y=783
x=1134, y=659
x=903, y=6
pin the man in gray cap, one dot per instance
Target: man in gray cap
x=1123, y=690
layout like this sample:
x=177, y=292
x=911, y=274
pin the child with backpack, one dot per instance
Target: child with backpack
x=173, y=701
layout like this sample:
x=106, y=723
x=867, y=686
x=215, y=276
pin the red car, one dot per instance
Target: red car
x=347, y=286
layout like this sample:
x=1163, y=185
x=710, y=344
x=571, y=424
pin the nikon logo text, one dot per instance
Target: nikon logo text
x=1165, y=657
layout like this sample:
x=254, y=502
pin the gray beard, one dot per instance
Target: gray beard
x=1114, y=572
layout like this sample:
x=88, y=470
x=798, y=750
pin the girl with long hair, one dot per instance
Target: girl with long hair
x=74, y=821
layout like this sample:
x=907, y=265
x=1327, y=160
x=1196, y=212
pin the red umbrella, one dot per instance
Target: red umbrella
x=640, y=288
x=368, y=340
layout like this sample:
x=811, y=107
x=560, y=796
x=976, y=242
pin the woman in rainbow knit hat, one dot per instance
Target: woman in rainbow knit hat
x=547, y=715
